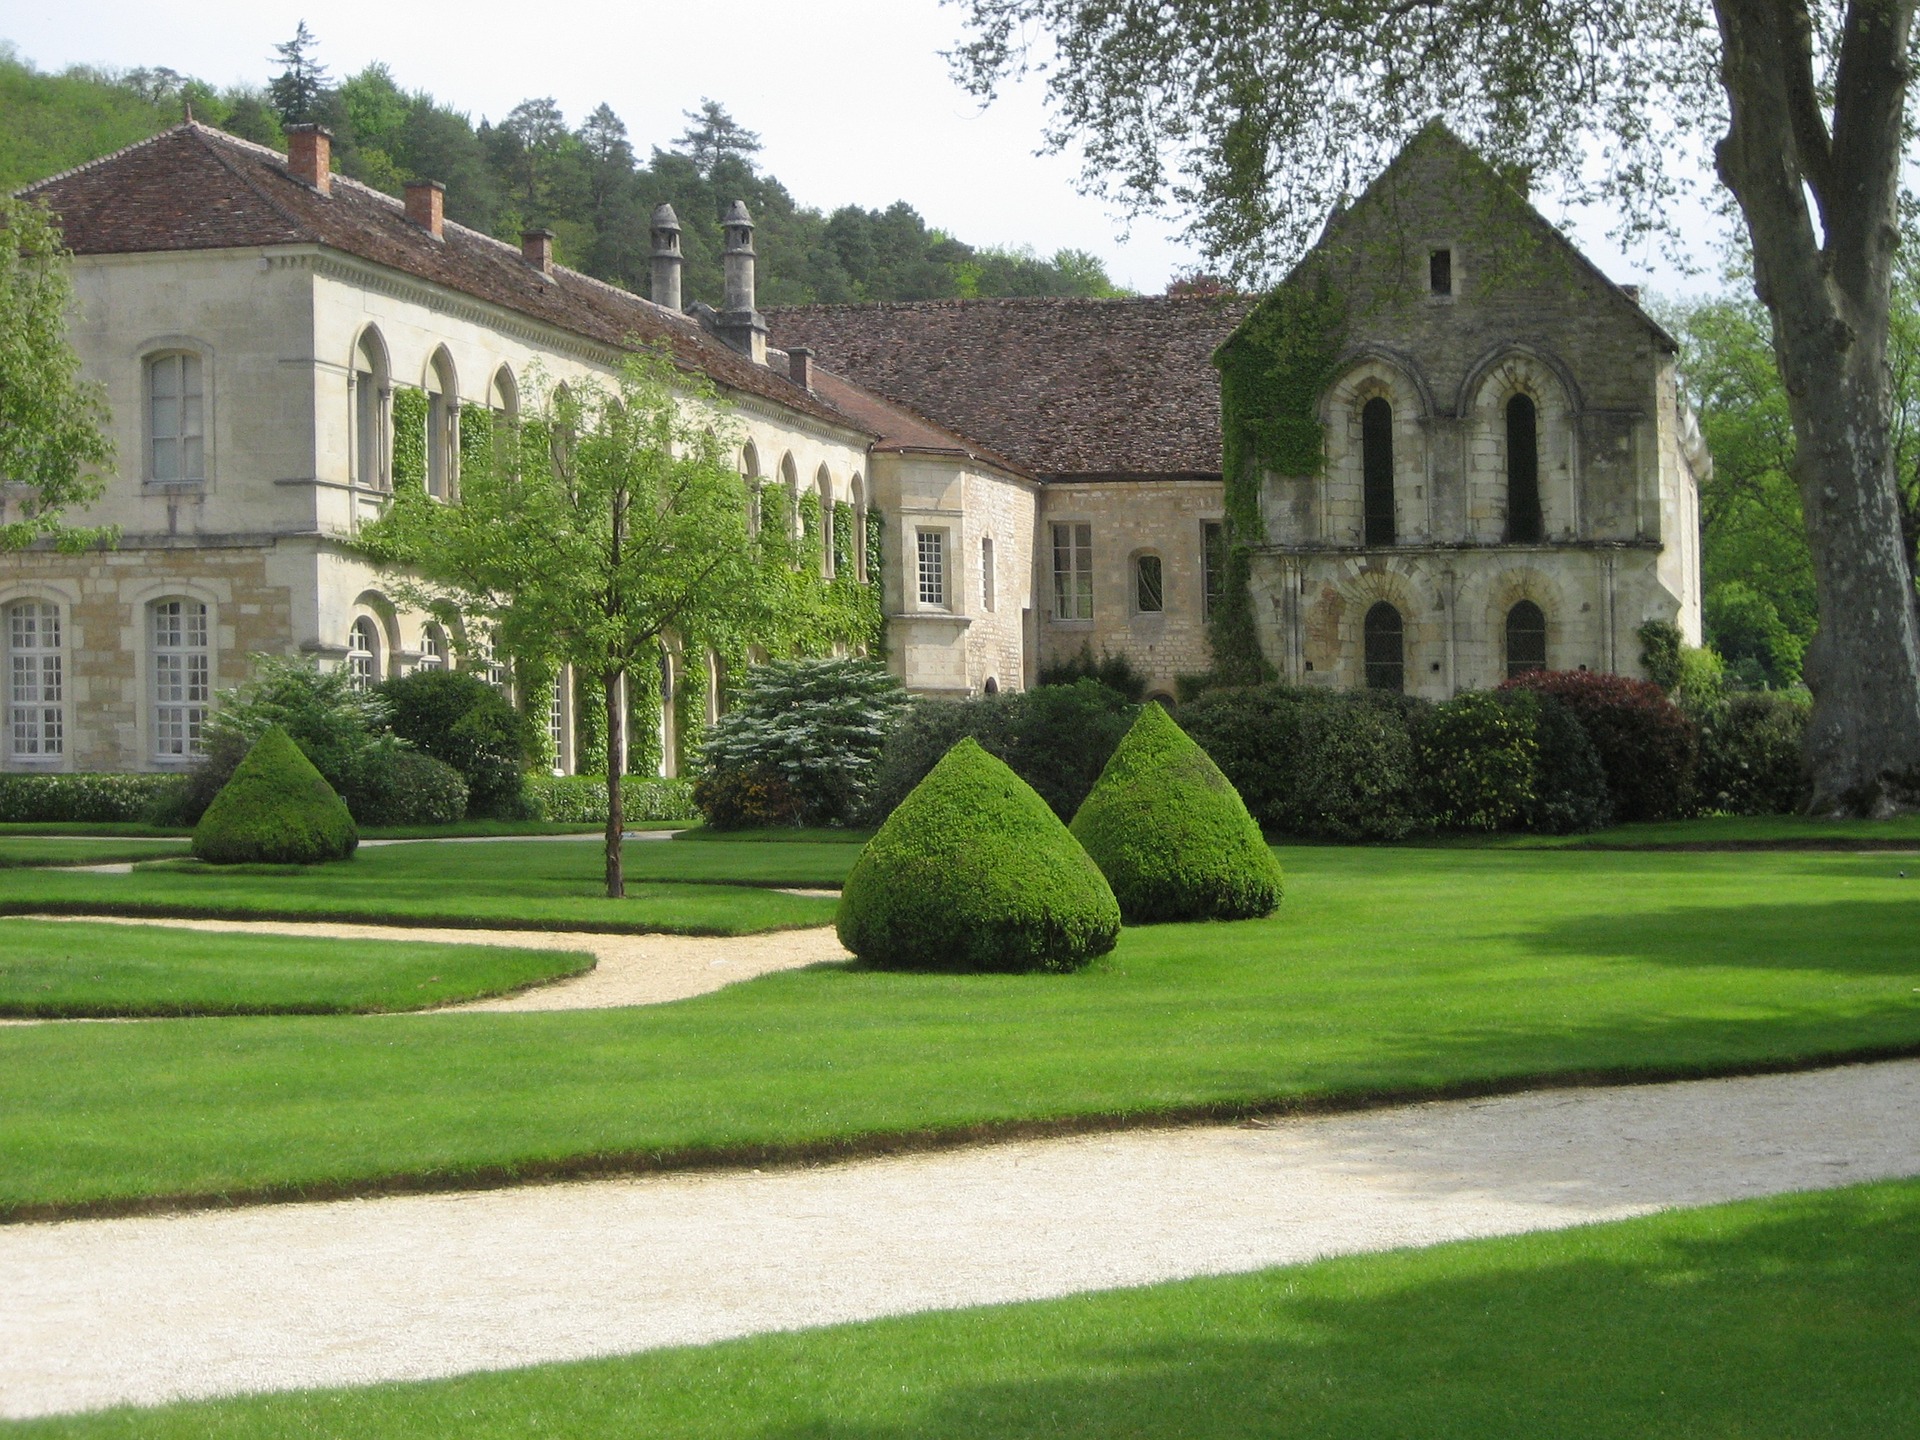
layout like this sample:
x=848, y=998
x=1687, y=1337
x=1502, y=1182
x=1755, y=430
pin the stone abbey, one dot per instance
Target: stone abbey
x=1507, y=477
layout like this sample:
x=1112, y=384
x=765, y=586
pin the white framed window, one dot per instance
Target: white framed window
x=1073, y=571
x=1213, y=565
x=36, y=682
x=443, y=428
x=182, y=677
x=370, y=413
x=931, y=546
x=176, y=419
x=557, y=722
x=986, y=573
x=433, y=648
x=494, y=665
x=363, y=653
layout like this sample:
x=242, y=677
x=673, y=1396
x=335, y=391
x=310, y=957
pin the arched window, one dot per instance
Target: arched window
x=1376, y=466
x=988, y=586
x=370, y=412
x=858, y=539
x=1385, y=649
x=1149, y=585
x=176, y=419
x=443, y=422
x=433, y=648
x=790, y=481
x=503, y=396
x=1526, y=638
x=1523, y=473
x=36, y=682
x=182, y=678
x=823, y=487
x=363, y=653
x=750, y=472
x=992, y=687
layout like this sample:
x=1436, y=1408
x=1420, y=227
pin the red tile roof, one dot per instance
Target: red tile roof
x=196, y=188
x=1064, y=387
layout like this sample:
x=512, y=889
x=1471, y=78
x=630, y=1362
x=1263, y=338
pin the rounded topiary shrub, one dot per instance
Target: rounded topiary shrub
x=972, y=871
x=277, y=810
x=392, y=786
x=460, y=720
x=1171, y=834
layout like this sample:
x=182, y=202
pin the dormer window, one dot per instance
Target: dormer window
x=1440, y=272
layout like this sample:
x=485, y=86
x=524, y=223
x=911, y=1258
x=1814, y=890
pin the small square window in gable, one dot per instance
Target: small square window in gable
x=1440, y=272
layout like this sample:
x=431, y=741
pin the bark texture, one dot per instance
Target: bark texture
x=1824, y=272
x=612, y=691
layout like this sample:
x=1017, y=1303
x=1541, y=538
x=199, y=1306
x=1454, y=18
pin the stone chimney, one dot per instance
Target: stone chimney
x=666, y=257
x=800, y=366
x=427, y=205
x=536, y=248
x=740, y=325
x=310, y=156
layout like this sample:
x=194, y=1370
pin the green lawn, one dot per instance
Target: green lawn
x=70, y=968
x=19, y=850
x=1794, y=1316
x=540, y=884
x=1387, y=973
x=1752, y=832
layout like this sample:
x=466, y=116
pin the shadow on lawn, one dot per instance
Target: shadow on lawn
x=1796, y=1324
x=1848, y=937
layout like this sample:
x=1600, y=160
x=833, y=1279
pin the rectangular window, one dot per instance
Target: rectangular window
x=1440, y=272
x=986, y=574
x=36, y=690
x=557, y=723
x=182, y=679
x=440, y=441
x=932, y=546
x=366, y=425
x=1073, y=572
x=1213, y=565
x=176, y=419
x=1148, y=591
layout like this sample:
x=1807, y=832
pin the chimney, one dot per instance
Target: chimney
x=536, y=248
x=800, y=366
x=427, y=205
x=310, y=156
x=666, y=257
x=740, y=324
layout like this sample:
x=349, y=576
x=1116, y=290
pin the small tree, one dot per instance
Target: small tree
x=300, y=87
x=54, y=453
x=613, y=520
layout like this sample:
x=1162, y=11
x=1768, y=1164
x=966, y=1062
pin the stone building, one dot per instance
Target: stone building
x=1044, y=475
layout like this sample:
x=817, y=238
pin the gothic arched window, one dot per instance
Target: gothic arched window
x=1523, y=472
x=1376, y=467
x=1526, y=638
x=1385, y=649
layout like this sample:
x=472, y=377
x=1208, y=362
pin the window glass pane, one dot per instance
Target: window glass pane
x=182, y=677
x=1148, y=594
x=1526, y=638
x=932, y=552
x=1213, y=564
x=1376, y=463
x=35, y=681
x=1385, y=656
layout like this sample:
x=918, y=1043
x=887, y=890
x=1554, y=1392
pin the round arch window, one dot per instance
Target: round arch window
x=363, y=653
x=1526, y=638
x=1386, y=657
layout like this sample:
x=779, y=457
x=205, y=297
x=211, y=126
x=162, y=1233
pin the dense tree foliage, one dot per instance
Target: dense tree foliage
x=586, y=182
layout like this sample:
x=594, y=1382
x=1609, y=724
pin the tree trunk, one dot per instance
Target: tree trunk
x=1826, y=278
x=611, y=687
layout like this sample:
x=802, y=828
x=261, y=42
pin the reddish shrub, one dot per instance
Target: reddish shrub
x=746, y=800
x=1646, y=743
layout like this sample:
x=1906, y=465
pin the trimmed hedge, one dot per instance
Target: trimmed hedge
x=461, y=721
x=1172, y=835
x=582, y=799
x=276, y=810
x=1646, y=744
x=406, y=787
x=90, y=798
x=973, y=872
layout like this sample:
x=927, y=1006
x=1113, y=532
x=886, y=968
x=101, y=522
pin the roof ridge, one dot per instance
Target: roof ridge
x=86, y=165
x=959, y=302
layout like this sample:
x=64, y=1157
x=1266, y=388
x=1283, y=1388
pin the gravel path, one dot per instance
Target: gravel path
x=629, y=969
x=145, y=1310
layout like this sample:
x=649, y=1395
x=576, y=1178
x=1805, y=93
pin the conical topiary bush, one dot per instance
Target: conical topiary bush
x=276, y=810
x=1171, y=833
x=972, y=871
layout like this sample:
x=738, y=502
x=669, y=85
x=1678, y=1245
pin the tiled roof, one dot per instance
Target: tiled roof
x=1062, y=387
x=195, y=188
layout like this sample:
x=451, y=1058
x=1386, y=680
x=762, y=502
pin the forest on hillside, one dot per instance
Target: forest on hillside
x=587, y=182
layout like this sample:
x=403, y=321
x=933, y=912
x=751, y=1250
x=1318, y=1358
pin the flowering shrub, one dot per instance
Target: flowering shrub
x=1477, y=754
x=1646, y=744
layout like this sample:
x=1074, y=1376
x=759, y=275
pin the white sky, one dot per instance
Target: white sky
x=851, y=98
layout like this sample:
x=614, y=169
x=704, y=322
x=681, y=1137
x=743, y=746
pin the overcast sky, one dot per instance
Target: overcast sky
x=851, y=97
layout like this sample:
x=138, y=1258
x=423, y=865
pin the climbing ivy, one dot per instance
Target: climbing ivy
x=410, y=440
x=843, y=541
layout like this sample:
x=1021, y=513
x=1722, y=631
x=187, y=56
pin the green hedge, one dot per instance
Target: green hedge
x=1171, y=834
x=89, y=798
x=973, y=872
x=276, y=810
x=582, y=799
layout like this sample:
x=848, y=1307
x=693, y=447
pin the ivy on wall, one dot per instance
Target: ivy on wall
x=410, y=440
x=843, y=541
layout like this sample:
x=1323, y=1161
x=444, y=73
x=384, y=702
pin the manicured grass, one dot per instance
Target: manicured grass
x=779, y=835
x=468, y=828
x=19, y=850
x=91, y=827
x=1793, y=1316
x=1725, y=832
x=539, y=884
x=71, y=968
x=1386, y=972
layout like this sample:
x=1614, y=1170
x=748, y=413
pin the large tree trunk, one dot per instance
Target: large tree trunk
x=611, y=690
x=1829, y=291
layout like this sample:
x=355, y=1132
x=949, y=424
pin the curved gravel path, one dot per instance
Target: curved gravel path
x=106, y=1312
x=628, y=969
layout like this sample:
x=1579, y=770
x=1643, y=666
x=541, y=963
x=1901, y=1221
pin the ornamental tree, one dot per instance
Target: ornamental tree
x=611, y=519
x=1258, y=116
x=54, y=453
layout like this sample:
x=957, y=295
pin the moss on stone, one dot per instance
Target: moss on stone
x=276, y=810
x=973, y=872
x=1171, y=833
